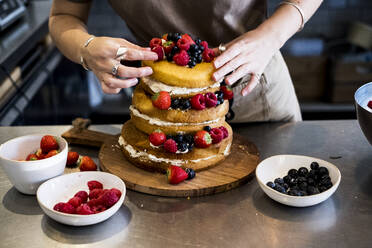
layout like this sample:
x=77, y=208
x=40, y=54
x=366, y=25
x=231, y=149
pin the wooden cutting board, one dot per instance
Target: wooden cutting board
x=234, y=171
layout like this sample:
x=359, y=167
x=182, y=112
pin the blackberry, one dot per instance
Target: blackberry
x=311, y=190
x=190, y=173
x=286, y=179
x=280, y=188
x=199, y=59
x=303, y=185
x=175, y=50
x=219, y=95
x=207, y=128
x=175, y=103
x=314, y=165
x=192, y=63
x=293, y=182
x=177, y=36
x=170, y=57
x=302, y=171
x=270, y=184
x=197, y=41
x=292, y=173
x=310, y=181
x=178, y=138
x=188, y=138
x=190, y=146
x=182, y=146
x=301, y=179
x=193, y=48
x=185, y=104
x=323, y=171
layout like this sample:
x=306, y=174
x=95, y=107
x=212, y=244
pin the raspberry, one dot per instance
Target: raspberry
x=84, y=209
x=204, y=44
x=108, y=199
x=99, y=208
x=183, y=44
x=181, y=58
x=95, y=193
x=154, y=42
x=210, y=99
x=94, y=185
x=83, y=195
x=159, y=50
x=224, y=131
x=198, y=102
x=369, y=104
x=75, y=201
x=94, y=202
x=170, y=146
x=64, y=208
x=208, y=55
x=216, y=134
x=116, y=191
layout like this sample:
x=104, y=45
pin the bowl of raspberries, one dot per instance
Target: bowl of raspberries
x=297, y=181
x=81, y=198
x=30, y=160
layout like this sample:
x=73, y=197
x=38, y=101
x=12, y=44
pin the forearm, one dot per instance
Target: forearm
x=286, y=20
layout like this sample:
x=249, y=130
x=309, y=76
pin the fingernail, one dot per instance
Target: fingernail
x=149, y=70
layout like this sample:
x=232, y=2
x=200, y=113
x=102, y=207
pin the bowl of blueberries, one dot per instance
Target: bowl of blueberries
x=363, y=106
x=297, y=181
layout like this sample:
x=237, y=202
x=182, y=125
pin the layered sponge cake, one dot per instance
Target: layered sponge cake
x=178, y=113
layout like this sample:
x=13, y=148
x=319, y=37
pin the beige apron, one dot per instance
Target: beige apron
x=219, y=21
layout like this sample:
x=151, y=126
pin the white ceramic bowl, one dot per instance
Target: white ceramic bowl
x=26, y=176
x=62, y=188
x=278, y=166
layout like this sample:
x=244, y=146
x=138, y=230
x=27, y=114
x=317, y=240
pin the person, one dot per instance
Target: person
x=248, y=41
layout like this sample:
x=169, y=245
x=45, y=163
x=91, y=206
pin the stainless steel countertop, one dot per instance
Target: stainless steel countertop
x=243, y=217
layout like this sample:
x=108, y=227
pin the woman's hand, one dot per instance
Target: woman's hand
x=247, y=54
x=100, y=57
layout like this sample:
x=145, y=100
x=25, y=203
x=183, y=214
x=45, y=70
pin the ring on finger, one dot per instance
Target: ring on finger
x=114, y=70
x=221, y=48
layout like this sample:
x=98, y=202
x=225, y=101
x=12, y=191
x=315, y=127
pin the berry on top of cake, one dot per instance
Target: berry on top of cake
x=182, y=49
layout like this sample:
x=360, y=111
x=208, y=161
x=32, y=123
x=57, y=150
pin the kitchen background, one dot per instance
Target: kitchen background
x=328, y=60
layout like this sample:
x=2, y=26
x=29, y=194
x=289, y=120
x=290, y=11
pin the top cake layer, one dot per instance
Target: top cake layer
x=181, y=76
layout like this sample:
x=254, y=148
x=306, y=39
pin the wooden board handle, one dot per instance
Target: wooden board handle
x=80, y=135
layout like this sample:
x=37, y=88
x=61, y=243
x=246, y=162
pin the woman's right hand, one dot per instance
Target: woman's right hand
x=100, y=57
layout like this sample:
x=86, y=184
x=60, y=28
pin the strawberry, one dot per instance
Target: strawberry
x=181, y=58
x=176, y=174
x=157, y=137
x=161, y=100
x=154, y=42
x=170, y=146
x=168, y=46
x=202, y=139
x=216, y=135
x=227, y=92
x=87, y=164
x=31, y=157
x=84, y=209
x=224, y=131
x=39, y=153
x=48, y=143
x=183, y=44
x=51, y=153
x=208, y=55
x=64, y=208
x=210, y=99
x=198, y=102
x=72, y=158
x=83, y=195
x=188, y=38
x=75, y=201
x=369, y=104
x=159, y=50
x=94, y=185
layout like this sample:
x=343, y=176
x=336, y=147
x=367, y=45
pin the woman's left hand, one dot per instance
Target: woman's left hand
x=247, y=54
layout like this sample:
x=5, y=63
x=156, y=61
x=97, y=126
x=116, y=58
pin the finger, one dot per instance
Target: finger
x=109, y=90
x=137, y=54
x=238, y=74
x=126, y=43
x=132, y=72
x=251, y=85
x=228, y=67
x=227, y=55
x=114, y=82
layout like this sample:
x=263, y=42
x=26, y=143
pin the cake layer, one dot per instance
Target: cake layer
x=136, y=147
x=152, y=86
x=142, y=102
x=182, y=76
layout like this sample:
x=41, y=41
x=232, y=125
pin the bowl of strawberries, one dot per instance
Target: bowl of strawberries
x=81, y=198
x=30, y=160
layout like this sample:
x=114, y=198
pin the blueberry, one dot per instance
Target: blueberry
x=323, y=171
x=169, y=57
x=286, y=179
x=190, y=172
x=175, y=103
x=183, y=146
x=286, y=186
x=189, y=138
x=207, y=128
x=294, y=192
x=190, y=146
x=303, y=171
x=314, y=165
x=280, y=188
x=293, y=182
x=279, y=181
x=270, y=184
x=303, y=193
x=185, y=104
x=292, y=173
x=219, y=94
x=311, y=190
x=178, y=138
x=303, y=185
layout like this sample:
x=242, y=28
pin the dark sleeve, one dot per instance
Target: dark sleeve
x=80, y=1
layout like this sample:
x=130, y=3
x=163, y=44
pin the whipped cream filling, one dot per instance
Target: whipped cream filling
x=157, y=86
x=158, y=122
x=178, y=162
